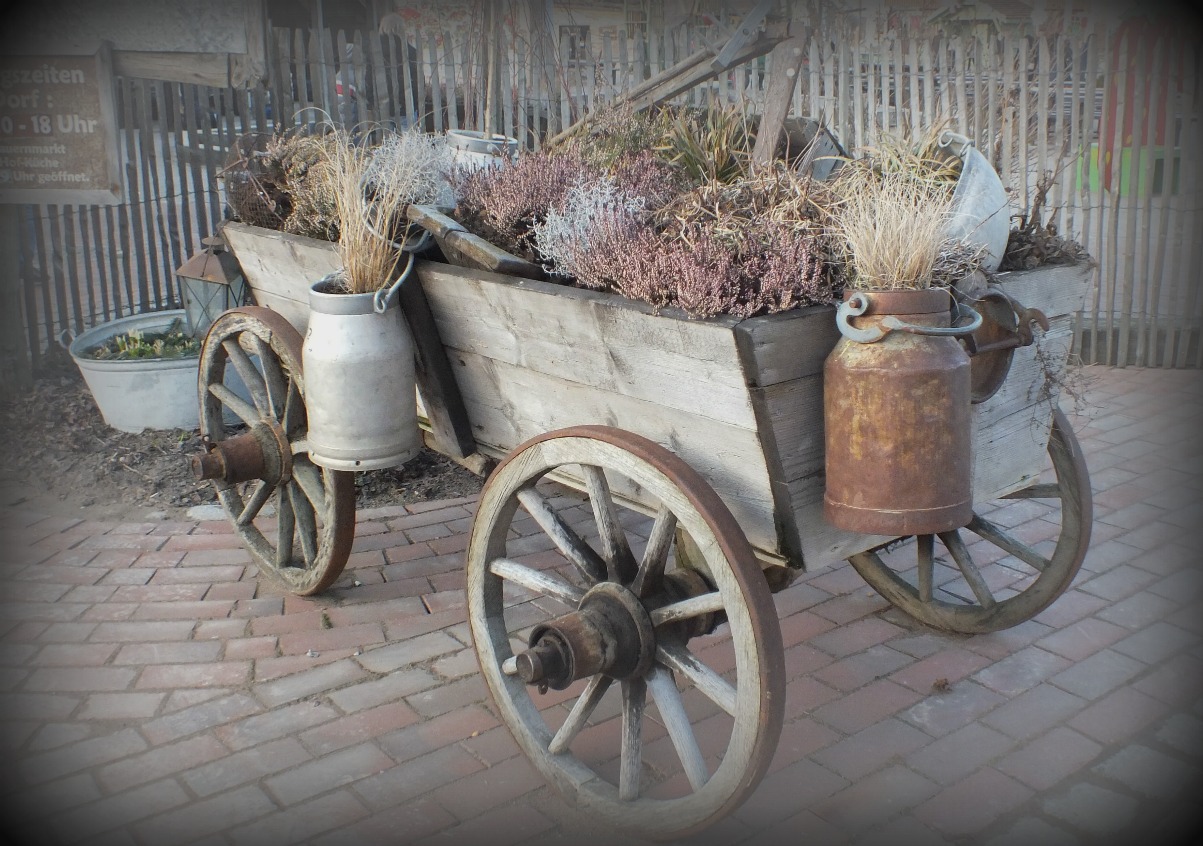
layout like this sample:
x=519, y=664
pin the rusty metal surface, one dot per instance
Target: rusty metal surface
x=897, y=425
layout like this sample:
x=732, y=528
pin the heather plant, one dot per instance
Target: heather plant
x=504, y=204
x=568, y=232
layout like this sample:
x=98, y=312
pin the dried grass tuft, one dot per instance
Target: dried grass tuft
x=892, y=231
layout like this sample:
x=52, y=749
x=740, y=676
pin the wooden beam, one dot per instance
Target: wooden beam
x=785, y=64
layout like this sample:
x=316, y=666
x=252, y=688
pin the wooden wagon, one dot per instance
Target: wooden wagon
x=696, y=447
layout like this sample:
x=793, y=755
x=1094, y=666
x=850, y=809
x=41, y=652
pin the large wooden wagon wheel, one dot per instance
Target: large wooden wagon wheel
x=580, y=610
x=1001, y=576
x=297, y=519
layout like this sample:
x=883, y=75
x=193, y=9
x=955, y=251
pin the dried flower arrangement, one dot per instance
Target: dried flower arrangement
x=665, y=208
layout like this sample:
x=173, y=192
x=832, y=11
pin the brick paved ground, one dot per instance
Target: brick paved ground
x=154, y=691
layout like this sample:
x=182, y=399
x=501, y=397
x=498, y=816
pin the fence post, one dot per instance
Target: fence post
x=16, y=375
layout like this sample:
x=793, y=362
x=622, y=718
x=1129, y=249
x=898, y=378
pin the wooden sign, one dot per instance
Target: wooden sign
x=58, y=130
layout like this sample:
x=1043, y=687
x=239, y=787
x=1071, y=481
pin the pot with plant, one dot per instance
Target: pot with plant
x=897, y=385
x=358, y=354
x=141, y=370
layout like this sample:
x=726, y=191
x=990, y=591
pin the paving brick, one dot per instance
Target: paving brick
x=356, y=728
x=80, y=756
x=868, y=705
x=416, y=819
x=285, y=721
x=216, y=674
x=197, y=718
x=480, y=791
x=246, y=766
x=160, y=762
x=75, y=654
x=854, y=637
x=205, y=817
x=121, y=706
x=363, y=635
x=175, y=652
x=868, y=750
x=1092, y=809
x=862, y=667
x=972, y=804
x=1177, y=682
x=429, y=735
x=1034, y=711
x=118, y=811
x=449, y=696
x=941, y=712
x=1098, y=674
x=1035, y=831
x=388, y=658
x=202, y=610
x=141, y=632
x=80, y=679
x=301, y=824
x=950, y=664
x=1156, y=643
x=959, y=753
x=1021, y=671
x=1045, y=761
x=1118, y=716
x=250, y=648
x=875, y=798
x=317, y=680
x=328, y=773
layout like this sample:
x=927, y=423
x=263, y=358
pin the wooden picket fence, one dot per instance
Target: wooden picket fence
x=1033, y=105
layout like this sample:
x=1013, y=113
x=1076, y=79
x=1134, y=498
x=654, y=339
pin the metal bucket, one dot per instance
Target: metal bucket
x=980, y=214
x=359, y=381
x=478, y=150
x=896, y=416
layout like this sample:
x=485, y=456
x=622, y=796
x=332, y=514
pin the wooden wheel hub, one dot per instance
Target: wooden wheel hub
x=609, y=633
x=261, y=453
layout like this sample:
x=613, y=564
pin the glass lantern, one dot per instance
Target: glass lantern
x=212, y=282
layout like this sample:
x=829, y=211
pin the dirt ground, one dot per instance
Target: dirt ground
x=58, y=454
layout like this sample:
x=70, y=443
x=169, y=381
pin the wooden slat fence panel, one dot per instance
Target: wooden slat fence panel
x=1033, y=103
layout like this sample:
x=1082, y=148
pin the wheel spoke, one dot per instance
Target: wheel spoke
x=680, y=731
x=717, y=689
x=927, y=555
x=251, y=377
x=306, y=522
x=969, y=570
x=310, y=480
x=285, y=529
x=620, y=563
x=570, y=544
x=634, y=697
x=252, y=507
x=294, y=411
x=536, y=581
x=707, y=603
x=655, y=556
x=246, y=412
x=580, y=713
x=273, y=376
x=989, y=531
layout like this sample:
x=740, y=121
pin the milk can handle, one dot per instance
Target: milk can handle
x=384, y=297
x=857, y=305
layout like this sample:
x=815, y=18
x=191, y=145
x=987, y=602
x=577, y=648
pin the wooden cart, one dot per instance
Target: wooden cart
x=696, y=447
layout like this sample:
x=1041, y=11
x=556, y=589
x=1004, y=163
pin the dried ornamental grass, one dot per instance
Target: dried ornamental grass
x=892, y=231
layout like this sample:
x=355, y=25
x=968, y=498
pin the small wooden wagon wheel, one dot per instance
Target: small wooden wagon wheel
x=580, y=611
x=257, y=454
x=1005, y=577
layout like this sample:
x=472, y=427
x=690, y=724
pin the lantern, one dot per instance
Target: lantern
x=212, y=283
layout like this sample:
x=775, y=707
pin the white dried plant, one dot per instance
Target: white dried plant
x=565, y=236
x=412, y=166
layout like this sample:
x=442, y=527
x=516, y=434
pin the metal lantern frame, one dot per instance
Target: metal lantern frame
x=212, y=283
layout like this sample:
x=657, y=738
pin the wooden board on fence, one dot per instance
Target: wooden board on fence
x=281, y=267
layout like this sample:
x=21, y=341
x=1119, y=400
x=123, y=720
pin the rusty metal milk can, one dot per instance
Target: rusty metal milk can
x=896, y=408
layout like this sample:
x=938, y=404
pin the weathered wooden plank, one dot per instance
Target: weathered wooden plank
x=593, y=338
x=464, y=249
x=510, y=403
x=280, y=267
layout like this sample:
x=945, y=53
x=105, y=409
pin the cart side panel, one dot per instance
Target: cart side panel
x=532, y=356
x=1011, y=428
x=280, y=268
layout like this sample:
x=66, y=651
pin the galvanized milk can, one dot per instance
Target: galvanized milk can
x=358, y=359
x=896, y=415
